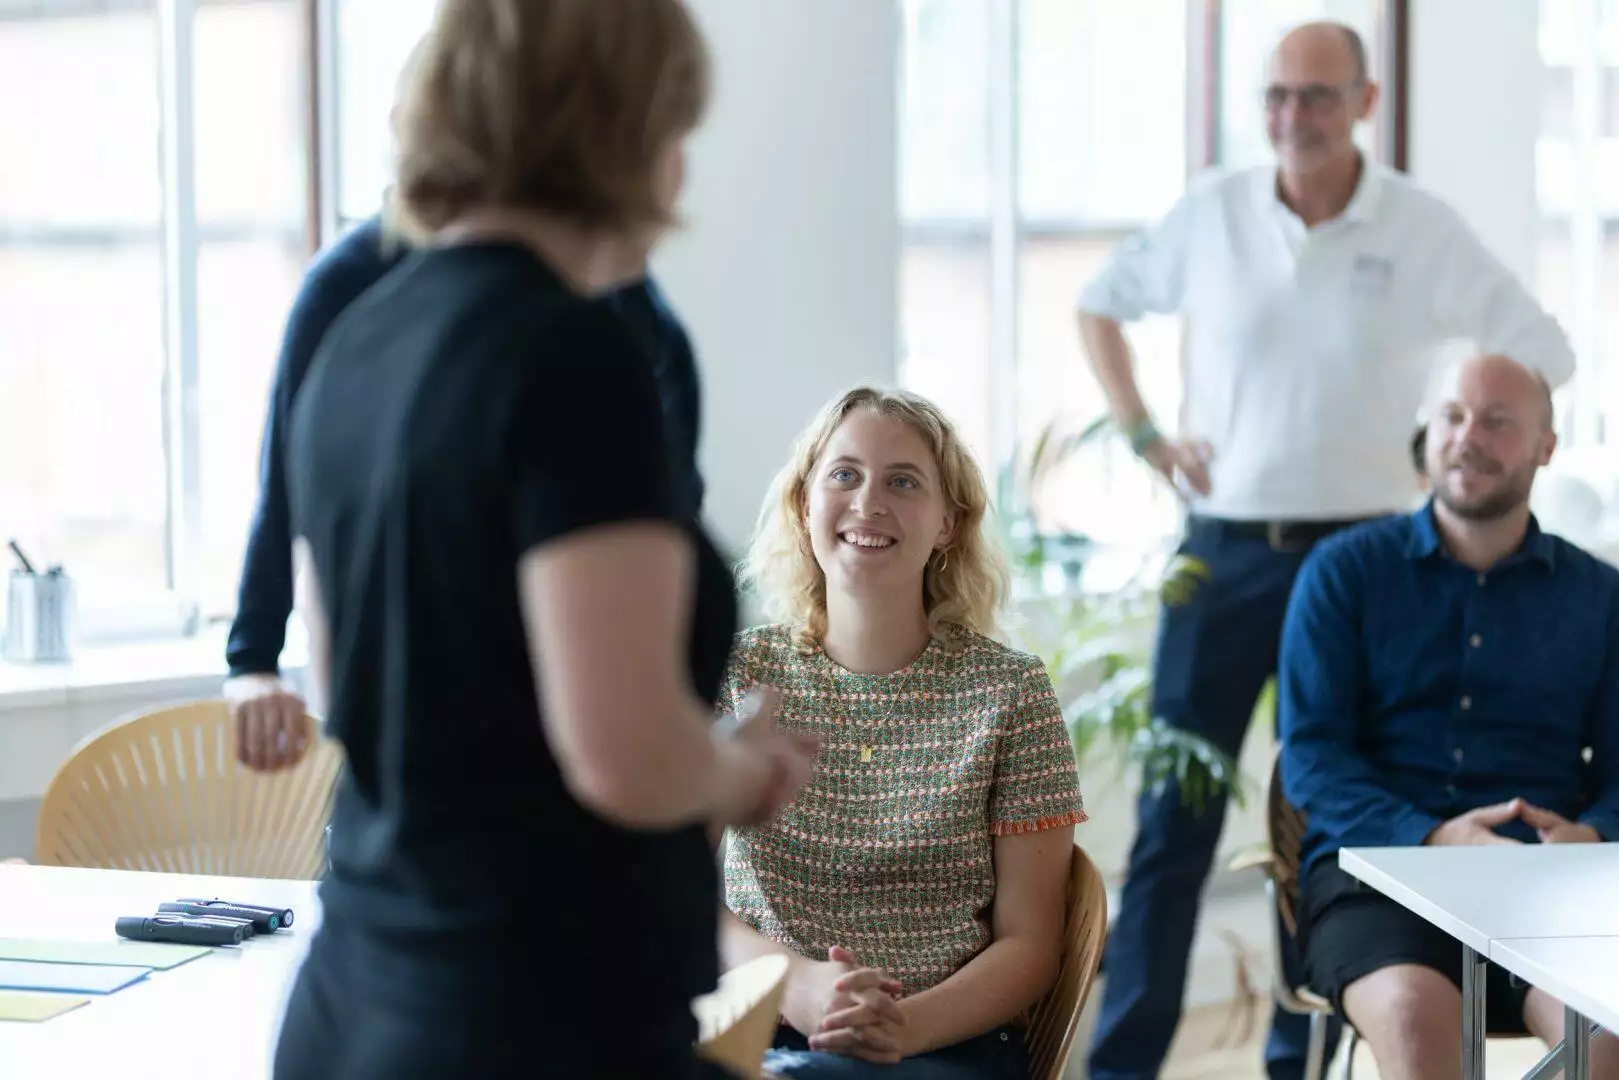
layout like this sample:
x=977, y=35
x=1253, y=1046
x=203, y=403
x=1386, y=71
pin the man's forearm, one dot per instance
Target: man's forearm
x=1110, y=358
x=993, y=989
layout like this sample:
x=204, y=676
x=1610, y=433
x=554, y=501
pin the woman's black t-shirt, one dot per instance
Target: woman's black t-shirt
x=465, y=411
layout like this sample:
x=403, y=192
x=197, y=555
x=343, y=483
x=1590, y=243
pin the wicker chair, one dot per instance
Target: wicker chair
x=1284, y=825
x=1056, y=1018
x=163, y=791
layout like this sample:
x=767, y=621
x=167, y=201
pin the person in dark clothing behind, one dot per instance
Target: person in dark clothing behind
x=268, y=713
x=518, y=628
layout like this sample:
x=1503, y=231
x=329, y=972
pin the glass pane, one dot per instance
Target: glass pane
x=944, y=204
x=251, y=190
x=1093, y=77
x=374, y=38
x=249, y=113
x=82, y=470
x=79, y=131
x=1578, y=258
x=944, y=110
x=1249, y=32
x=944, y=320
x=82, y=475
x=1104, y=493
x=244, y=290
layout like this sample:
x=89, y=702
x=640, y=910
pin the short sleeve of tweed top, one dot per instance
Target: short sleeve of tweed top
x=887, y=851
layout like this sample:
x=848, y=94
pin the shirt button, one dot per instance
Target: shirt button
x=1481, y=578
x=1457, y=753
x=1450, y=789
x=1476, y=640
x=1467, y=702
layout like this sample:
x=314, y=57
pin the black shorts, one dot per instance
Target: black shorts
x=1348, y=930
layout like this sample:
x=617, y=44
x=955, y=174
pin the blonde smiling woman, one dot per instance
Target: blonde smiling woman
x=917, y=881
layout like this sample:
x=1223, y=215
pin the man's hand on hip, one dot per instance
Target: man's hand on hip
x=272, y=726
x=1182, y=462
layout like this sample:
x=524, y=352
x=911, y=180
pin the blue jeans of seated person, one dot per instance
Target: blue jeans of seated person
x=995, y=1055
x=1215, y=653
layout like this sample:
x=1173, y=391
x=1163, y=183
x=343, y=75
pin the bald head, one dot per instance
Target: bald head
x=1500, y=380
x=1325, y=46
x=1490, y=432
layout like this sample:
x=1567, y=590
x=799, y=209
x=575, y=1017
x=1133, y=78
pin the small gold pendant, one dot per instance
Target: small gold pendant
x=865, y=754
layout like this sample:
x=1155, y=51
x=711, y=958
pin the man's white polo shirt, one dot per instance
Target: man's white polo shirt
x=1310, y=350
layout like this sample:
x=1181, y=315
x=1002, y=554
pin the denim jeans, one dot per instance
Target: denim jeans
x=995, y=1055
x=1215, y=652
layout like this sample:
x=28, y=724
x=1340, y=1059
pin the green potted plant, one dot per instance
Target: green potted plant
x=1098, y=648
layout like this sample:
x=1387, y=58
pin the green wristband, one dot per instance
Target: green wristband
x=1141, y=434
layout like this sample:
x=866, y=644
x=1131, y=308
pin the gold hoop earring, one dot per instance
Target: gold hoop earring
x=944, y=561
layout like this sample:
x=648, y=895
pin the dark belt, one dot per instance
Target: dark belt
x=1280, y=535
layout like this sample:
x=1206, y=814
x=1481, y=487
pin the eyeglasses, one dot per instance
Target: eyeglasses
x=1312, y=97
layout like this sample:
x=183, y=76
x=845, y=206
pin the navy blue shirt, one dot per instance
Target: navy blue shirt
x=1414, y=689
x=338, y=277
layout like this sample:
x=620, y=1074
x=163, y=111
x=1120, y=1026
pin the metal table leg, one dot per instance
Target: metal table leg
x=1473, y=967
x=1576, y=1046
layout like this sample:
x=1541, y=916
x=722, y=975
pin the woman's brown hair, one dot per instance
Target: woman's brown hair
x=560, y=106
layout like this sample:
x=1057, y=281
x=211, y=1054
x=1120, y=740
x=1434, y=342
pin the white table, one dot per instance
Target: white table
x=218, y=1015
x=1513, y=904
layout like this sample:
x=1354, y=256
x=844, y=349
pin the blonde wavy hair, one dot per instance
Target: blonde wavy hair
x=963, y=586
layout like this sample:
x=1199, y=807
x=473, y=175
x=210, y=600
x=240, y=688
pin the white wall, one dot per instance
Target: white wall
x=786, y=274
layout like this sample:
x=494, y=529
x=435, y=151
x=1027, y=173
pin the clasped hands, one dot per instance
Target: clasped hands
x=1478, y=826
x=844, y=1008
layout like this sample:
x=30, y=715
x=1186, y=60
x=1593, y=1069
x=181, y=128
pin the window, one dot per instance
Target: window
x=150, y=242
x=1577, y=177
x=1035, y=135
x=83, y=472
x=373, y=39
x=251, y=216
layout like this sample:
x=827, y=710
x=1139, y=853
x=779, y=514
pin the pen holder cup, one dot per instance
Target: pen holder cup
x=40, y=618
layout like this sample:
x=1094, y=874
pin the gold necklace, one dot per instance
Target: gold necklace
x=863, y=723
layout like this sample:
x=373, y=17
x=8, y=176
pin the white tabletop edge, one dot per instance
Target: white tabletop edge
x=1525, y=958
x=1357, y=866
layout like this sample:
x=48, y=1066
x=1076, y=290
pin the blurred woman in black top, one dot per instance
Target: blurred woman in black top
x=517, y=624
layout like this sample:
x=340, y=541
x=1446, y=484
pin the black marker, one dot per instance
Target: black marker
x=181, y=930
x=27, y=567
x=263, y=921
x=282, y=913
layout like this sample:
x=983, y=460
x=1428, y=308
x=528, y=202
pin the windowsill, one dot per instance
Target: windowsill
x=113, y=671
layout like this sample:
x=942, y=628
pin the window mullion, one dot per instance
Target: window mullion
x=182, y=422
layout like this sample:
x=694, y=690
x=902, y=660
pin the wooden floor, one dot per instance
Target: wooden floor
x=1212, y=1045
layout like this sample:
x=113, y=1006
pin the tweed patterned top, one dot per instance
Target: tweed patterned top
x=887, y=850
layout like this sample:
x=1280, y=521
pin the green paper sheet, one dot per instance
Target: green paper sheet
x=119, y=953
x=32, y=1008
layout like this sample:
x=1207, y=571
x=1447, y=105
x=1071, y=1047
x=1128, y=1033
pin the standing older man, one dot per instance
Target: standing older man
x=1313, y=293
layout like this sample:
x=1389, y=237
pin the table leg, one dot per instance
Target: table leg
x=1473, y=968
x=1576, y=1046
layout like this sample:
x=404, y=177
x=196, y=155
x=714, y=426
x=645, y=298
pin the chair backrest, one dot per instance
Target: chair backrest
x=163, y=791
x=1284, y=823
x=1050, y=1037
x=737, y=1022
